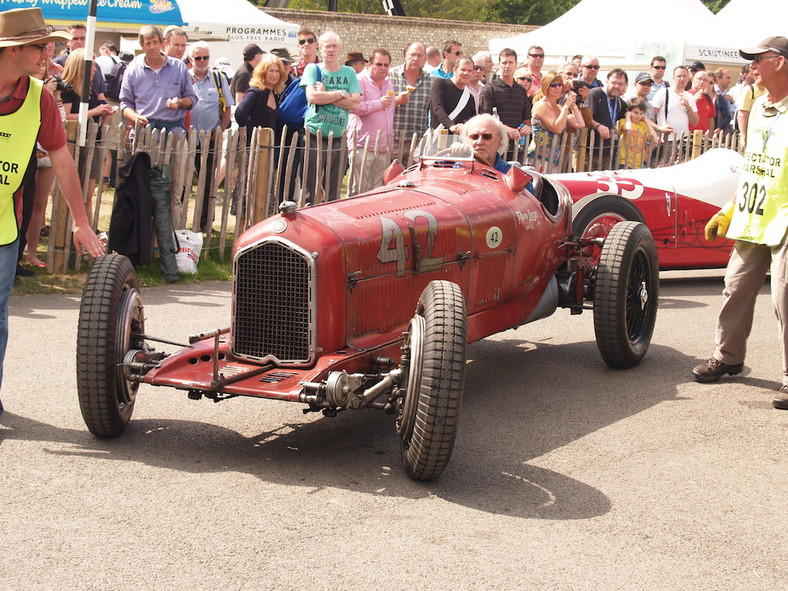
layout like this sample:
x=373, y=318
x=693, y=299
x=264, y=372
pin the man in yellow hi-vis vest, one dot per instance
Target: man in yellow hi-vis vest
x=29, y=113
x=757, y=220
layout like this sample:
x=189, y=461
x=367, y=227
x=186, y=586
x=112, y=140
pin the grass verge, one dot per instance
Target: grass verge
x=209, y=269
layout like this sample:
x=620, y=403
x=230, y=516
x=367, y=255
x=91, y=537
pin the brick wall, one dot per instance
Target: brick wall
x=364, y=32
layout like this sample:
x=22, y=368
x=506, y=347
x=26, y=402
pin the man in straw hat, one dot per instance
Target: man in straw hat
x=28, y=113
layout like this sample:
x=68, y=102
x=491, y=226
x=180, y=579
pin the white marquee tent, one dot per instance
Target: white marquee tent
x=230, y=25
x=747, y=22
x=627, y=34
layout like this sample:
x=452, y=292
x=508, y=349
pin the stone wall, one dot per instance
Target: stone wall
x=364, y=32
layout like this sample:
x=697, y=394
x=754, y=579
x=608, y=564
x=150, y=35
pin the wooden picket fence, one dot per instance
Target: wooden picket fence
x=258, y=177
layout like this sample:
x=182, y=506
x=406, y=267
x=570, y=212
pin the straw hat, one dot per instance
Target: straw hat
x=25, y=26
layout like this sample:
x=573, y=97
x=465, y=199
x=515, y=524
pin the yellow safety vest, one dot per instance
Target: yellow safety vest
x=760, y=214
x=18, y=133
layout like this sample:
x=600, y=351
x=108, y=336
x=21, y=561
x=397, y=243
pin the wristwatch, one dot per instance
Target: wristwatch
x=343, y=94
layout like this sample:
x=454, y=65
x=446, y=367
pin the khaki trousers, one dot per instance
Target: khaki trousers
x=744, y=277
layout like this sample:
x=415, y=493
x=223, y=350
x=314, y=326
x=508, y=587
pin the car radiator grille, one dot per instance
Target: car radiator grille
x=273, y=304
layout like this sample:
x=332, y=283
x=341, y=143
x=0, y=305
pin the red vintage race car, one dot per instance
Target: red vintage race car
x=370, y=302
x=674, y=202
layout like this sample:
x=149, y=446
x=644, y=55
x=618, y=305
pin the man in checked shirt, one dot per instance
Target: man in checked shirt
x=412, y=87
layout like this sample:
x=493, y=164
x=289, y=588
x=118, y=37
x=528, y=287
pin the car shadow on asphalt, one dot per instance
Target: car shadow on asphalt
x=515, y=409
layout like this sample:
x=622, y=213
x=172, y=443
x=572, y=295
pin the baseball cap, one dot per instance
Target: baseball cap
x=643, y=77
x=695, y=66
x=776, y=44
x=251, y=50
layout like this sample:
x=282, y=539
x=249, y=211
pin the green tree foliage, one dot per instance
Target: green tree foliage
x=517, y=12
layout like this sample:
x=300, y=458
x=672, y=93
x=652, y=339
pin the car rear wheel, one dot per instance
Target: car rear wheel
x=626, y=294
x=429, y=414
x=110, y=321
x=595, y=215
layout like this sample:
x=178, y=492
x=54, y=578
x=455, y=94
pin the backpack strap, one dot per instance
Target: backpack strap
x=217, y=82
x=667, y=94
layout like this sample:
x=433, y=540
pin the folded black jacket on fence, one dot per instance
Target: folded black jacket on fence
x=130, y=225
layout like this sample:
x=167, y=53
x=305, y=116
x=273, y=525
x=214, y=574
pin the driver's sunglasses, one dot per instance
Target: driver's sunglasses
x=486, y=136
x=309, y=40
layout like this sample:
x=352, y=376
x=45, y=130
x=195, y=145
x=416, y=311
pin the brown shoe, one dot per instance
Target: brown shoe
x=713, y=370
x=781, y=400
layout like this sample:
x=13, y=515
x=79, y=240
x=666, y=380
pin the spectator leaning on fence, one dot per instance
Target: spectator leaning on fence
x=240, y=82
x=607, y=107
x=508, y=99
x=674, y=107
x=535, y=63
x=307, y=48
x=78, y=34
x=452, y=51
x=749, y=92
x=634, y=133
x=703, y=101
x=373, y=124
x=657, y=71
x=332, y=90
x=433, y=58
x=723, y=102
x=451, y=103
x=157, y=89
x=100, y=111
x=29, y=113
x=212, y=111
x=175, y=42
x=412, y=86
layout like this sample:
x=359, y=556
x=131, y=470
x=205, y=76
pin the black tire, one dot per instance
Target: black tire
x=626, y=295
x=110, y=317
x=429, y=415
x=595, y=215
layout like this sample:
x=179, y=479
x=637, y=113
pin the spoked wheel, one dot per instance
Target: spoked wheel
x=429, y=414
x=595, y=215
x=110, y=321
x=626, y=295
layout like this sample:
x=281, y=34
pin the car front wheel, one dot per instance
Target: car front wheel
x=626, y=294
x=429, y=414
x=111, y=319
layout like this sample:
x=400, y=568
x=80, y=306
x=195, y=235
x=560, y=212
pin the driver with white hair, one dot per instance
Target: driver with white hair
x=489, y=140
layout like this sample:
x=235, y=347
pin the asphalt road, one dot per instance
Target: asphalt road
x=566, y=474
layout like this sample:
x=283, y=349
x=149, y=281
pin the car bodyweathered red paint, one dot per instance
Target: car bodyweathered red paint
x=371, y=301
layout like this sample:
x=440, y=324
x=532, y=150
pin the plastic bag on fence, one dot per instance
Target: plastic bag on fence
x=189, y=249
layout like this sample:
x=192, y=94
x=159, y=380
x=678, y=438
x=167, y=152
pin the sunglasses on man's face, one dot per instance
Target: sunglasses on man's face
x=477, y=68
x=486, y=136
x=536, y=55
x=658, y=67
x=521, y=78
x=199, y=58
x=592, y=67
x=304, y=41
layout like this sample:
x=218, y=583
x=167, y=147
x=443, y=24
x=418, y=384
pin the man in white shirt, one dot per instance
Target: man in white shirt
x=676, y=109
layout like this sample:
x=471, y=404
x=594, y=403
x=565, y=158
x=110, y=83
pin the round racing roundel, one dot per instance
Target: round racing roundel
x=494, y=237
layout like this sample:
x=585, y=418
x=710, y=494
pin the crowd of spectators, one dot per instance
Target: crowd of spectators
x=386, y=99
